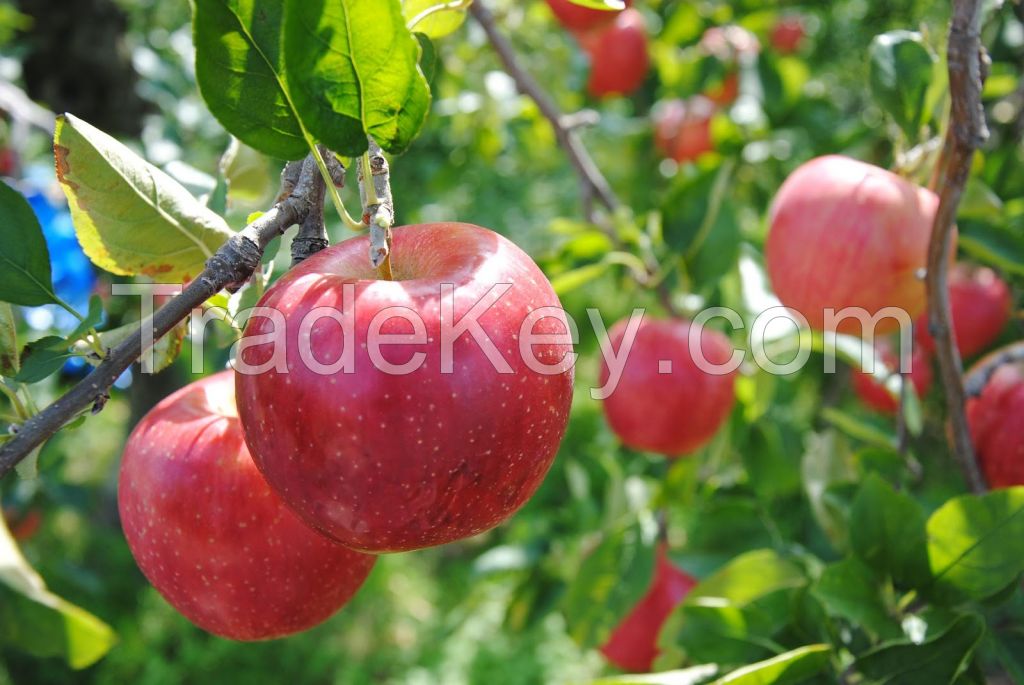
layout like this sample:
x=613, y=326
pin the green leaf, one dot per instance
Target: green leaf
x=10, y=361
x=934, y=662
x=850, y=590
x=686, y=676
x=732, y=614
x=39, y=622
x=130, y=217
x=793, y=667
x=43, y=358
x=352, y=70
x=165, y=350
x=434, y=18
x=995, y=243
x=24, y=260
x=609, y=582
x=976, y=544
x=577, y=278
x=240, y=73
x=901, y=68
x=91, y=320
x=612, y=5
x=887, y=531
x=827, y=463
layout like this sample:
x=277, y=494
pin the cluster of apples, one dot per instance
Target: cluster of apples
x=848, y=234
x=615, y=42
x=682, y=127
x=255, y=502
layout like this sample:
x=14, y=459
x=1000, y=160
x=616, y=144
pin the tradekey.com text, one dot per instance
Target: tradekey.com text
x=544, y=338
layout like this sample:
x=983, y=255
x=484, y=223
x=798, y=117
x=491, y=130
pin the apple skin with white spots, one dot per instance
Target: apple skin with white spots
x=386, y=462
x=210, y=534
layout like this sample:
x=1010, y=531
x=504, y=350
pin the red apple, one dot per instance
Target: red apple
x=577, y=18
x=730, y=45
x=210, y=534
x=633, y=645
x=788, y=34
x=664, y=402
x=848, y=234
x=682, y=128
x=618, y=55
x=981, y=305
x=387, y=460
x=873, y=393
x=996, y=420
x=8, y=162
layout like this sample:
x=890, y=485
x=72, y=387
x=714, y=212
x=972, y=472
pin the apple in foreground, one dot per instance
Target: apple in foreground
x=874, y=394
x=996, y=420
x=618, y=55
x=440, y=434
x=210, y=534
x=848, y=234
x=682, y=128
x=980, y=302
x=633, y=645
x=577, y=18
x=663, y=401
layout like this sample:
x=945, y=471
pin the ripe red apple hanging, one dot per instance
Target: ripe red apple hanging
x=578, y=18
x=848, y=234
x=875, y=395
x=682, y=128
x=664, y=402
x=996, y=420
x=424, y=440
x=210, y=534
x=981, y=304
x=618, y=55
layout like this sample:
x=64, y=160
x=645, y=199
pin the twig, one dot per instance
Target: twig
x=230, y=267
x=594, y=183
x=981, y=372
x=966, y=133
x=378, y=207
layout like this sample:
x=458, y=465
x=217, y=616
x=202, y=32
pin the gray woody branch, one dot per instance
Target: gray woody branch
x=595, y=186
x=378, y=211
x=230, y=267
x=968, y=68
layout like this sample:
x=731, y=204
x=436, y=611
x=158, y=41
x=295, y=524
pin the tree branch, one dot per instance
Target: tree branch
x=378, y=207
x=312, y=235
x=230, y=267
x=594, y=183
x=967, y=132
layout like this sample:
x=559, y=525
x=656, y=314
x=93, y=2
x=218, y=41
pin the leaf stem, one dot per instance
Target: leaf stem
x=332, y=190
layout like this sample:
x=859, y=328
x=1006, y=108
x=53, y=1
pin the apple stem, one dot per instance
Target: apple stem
x=967, y=131
x=378, y=207
x=229, y=268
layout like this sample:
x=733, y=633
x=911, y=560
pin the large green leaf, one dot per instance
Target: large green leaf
x=9, y=352
x=790, y=668
x=610, y=581
x=352, y=69
x=849, y=590
x=976, y=544
x=887, y=531
x=901, y=73
x=731, y=615
x=130, y=217
x=39, y=622
x=240, y=73
x=24, y=259
x=934, y=662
